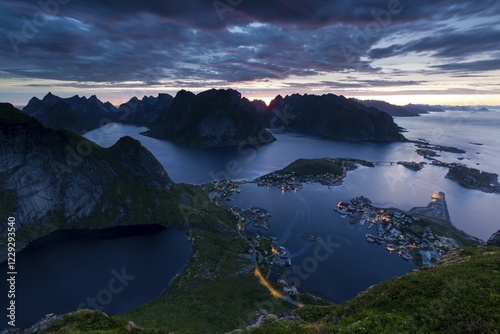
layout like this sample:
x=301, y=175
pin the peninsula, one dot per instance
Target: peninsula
x=422, y=234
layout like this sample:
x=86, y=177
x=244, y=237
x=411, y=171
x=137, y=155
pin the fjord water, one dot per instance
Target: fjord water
x=112, y=271
x=60, y=273
x=473, y=211
x=339, y=266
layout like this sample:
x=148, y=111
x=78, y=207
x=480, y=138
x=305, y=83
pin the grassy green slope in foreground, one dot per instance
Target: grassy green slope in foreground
x=459, y=295
x=216, y=291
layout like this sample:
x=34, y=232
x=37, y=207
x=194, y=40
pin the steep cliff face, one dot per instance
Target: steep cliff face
x=333, y=116
x=494, y=240
x=77, y=114
x=145, y=111
x=214, y=118
x=53, y=179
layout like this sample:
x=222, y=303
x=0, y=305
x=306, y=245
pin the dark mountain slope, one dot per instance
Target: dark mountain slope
x=77, y=114
x=214, y=118
x=51, y=179
x=146, y=111
x=332, y=116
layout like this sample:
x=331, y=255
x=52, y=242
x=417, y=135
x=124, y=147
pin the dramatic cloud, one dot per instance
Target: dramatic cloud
x=475, y=66
x=245, y=43
x=447, y=43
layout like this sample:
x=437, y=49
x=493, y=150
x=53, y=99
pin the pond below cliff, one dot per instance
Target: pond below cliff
x=111, y=270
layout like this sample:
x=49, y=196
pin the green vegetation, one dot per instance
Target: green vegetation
x=460, y=295
x=310, y=167
x=7, y=203
x=217, y=291
x=443, y=228
x=10, y=114
x=474, y=178
x=87, y=321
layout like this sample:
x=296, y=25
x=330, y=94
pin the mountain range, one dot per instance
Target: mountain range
x=397, y=111
x=52, y=179
x=219, y=118
x=77, y=114
x=332, y=116
x=145, y=111
x=412, y=110
x=214, y=118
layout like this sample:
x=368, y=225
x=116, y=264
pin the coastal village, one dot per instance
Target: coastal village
x=274, y=254
x=400, y=232
x=407, y=234
x=422, y=235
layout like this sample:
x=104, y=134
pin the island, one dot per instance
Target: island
x=415, y=166
x=326, y=171
x=474, y=179
x=428, y=150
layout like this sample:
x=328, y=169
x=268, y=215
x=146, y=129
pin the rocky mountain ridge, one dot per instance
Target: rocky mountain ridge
x=145, y=111
x=77, y=114
x=214, y=118
x=51, y=179
x=220, y=117
x=494, y=240
x=332, y=116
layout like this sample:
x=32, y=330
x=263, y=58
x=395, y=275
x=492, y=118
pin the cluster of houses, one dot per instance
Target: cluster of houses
x=399, y=231
x=287, y=182
x=223, y=189
x=280, y=255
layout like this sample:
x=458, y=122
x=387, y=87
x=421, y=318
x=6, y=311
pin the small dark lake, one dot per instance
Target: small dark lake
x=112, y=270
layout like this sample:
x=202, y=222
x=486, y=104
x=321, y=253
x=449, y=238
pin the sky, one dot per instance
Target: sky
x=400, y=51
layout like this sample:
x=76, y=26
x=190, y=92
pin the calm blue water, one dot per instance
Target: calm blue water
x=471, y=210
x=60, y=273
x=64, y=272
x=339, y=273
x=460, y=129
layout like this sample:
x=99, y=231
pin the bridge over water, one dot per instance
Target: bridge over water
x=376, y=163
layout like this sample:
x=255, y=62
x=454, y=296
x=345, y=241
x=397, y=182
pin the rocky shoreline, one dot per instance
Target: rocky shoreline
x=474, y=179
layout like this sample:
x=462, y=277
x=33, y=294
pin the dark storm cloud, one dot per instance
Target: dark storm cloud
x=475, y=66
x=307, y=13
x=151, y=41
x=446, y=44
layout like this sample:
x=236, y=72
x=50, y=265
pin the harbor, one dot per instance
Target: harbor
x=422, y=235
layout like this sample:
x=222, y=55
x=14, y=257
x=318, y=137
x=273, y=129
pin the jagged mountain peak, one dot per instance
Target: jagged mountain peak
x=213, y=118
x=50, y=99
x=334, y=116
x=58, y=178
x=77, y=114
